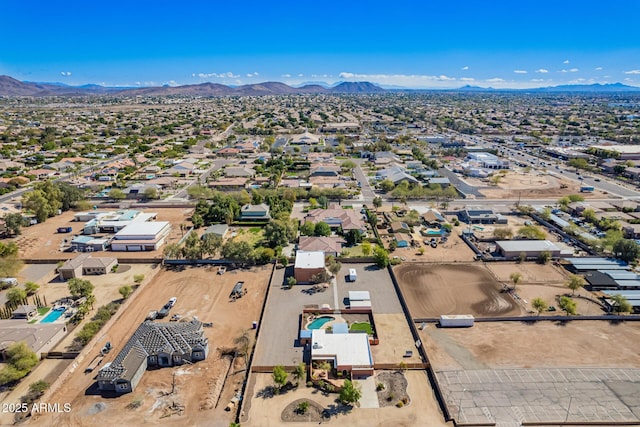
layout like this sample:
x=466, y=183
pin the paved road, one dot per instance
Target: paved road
x=365, y=188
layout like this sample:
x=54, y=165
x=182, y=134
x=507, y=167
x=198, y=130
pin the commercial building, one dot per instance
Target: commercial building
x=154, y=345
x=307, y=265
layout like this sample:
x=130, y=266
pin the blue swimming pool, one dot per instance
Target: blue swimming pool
x=319, y=322
x=53, y=315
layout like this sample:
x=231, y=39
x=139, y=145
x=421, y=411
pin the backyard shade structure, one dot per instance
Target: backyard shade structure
x=531, y=248
x=346, y=352
x=153, y=344
x=25, y=311
x=308, y=264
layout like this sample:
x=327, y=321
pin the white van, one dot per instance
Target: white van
x=352, y=275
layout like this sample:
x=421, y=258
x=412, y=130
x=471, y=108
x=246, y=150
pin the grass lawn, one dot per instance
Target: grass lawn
x=356, y=251
x=43, y=310
x=362, y=326
x=251, y=235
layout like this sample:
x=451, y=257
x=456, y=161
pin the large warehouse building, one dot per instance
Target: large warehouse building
x=513, y=249
x=141, y=236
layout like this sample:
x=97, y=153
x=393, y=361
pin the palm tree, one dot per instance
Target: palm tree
x=91, y=299
x=539, y=305
x=515, y=278
x=299, y=372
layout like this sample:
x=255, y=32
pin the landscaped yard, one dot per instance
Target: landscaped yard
x=252, y=235
x=356, y=251
x=361, y=326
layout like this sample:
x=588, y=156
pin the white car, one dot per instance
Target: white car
x=172, y=301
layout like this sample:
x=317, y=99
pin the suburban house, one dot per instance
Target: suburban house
x=432, y=218
x=220, y=230
x=400, y=227
x=229, y=184
x=141, y=236
x=336, y=217
x=112, y=222
x=328, y=245
x=347, y=353
x=89, y=244
x=307, y=265
x=85, y=264
x=481, y=216
x=324, y=170
x=305, y=139
x=255, y=213
x=153, y=345
x=40, y=337
x=243, y=172
x=630, y=231
x=396, y=175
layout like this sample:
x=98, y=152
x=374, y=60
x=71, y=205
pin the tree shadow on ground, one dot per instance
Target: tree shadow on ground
x=336, y=409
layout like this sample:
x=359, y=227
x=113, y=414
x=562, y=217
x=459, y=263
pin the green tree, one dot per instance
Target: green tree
x=335, y=267
x=381, y=256
x=377, y=202
x=539, y=305
x=150, y=193
x=20, y=361
x=322, y=229
x=14, y=223
x=567, y=305
x=348, y=166
x=16, y=296
x=299, y=373
x=279, y=376
x=36, y=202
x=197, y=220
x=210, y=244
x=125, y=291
x=531, y=232
x=237, y=251
x=544, y=257
x=366, y=248
x=575, y=282
x=307, y=229
x=275, y=234
x=302, y=407
x=626, y=249
x=350, y=393
x=387, y=185
x=138, y=278
x=31, y=288
x=620, y=304
x=117, y=194
x=353, y=237
x=515, y=279
x=80, y=287
x=502, y=233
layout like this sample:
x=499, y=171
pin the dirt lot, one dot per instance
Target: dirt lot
x=541, y=344
x=530, y=185
x=453, y=250
x=432, y=290
x=42, y=241
x=199, y=292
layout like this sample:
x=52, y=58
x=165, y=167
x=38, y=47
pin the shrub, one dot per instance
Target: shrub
x=379, y=386
x=399, y=404
x=138, y=278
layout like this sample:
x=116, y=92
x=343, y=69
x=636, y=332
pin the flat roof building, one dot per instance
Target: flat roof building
x=308, y=264
x=531, y=248
x=345, y=351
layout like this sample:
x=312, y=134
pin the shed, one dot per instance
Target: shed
x=359, y=296
x=308, y=264
x=25, y=311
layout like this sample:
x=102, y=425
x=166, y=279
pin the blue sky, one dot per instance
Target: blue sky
x=426, y=44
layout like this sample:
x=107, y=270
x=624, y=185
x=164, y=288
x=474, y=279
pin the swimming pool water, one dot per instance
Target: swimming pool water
x=53, y=315
x=319, y=322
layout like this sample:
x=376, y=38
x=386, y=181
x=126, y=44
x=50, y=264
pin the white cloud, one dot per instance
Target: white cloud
x=388, y=78
x=171, y=83
x=520, y=71
x=566, y=61
x=468, y=79
x=571, y=70
x=227, y=75
x=632, y=72
x=300, y=75
x=465, y=68
x=254, y=74
x=537, y=80
x=495, y=80
x=65, y=73
x=542, y=71
x=598, y=68
x=286, y=76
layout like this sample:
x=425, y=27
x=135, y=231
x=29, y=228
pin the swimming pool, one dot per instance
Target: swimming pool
x=319, y=322
x=53, y=315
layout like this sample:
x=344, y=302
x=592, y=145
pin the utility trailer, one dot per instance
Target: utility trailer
x=456, y=321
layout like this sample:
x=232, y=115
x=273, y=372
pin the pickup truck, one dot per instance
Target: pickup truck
x=164, y=311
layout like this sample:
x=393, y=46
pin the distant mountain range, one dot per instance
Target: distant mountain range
x=12, y=87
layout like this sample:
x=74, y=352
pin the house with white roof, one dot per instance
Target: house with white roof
x=350, y=353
